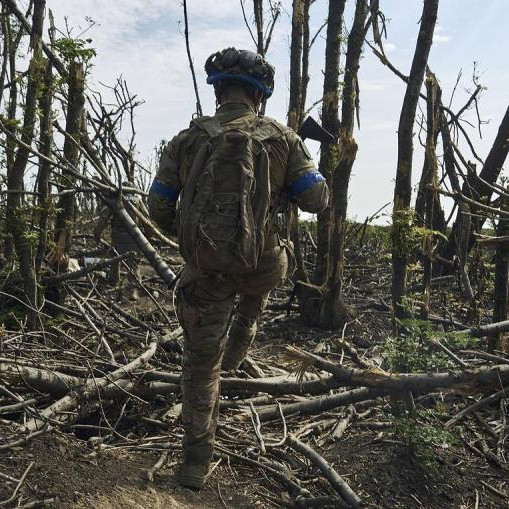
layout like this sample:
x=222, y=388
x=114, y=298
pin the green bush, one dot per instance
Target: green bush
x=413, y=351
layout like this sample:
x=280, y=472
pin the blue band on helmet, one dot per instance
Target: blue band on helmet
x=239, y=77
x=305, y=182
x=164, y=191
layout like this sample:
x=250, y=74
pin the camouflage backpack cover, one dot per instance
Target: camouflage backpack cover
x=224, y=208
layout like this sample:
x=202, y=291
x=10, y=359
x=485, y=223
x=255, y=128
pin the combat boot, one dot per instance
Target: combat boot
x=193, y=476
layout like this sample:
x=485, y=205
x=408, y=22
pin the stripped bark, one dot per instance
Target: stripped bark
x=334, y=312
x=43, y=185
x=474, y=379
x=67, y=202
x=330, y=122
x=429, y=184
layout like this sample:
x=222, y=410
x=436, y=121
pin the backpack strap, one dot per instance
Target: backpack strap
x=268, y=129
x=208, y=124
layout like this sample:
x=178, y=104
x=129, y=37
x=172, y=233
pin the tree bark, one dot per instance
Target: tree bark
x=429, y=184
x=462, y=230
x=258, y=15
x=17, y=223
x=294, y=106
x=66, y=203
x=43, y=185
x=294, y=113
x=330, y=121
x=500, y=292
x=334, y=312
x=403, y=186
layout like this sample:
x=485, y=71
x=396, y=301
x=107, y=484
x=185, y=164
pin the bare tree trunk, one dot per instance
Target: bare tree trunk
x=500, y=292
x=66, y=203
x=403, y=186
x=305, y=59
x=429, y=184
x=5, y=50
x=16, y=213
x=294, y=112
x=43, y=185
x=334, y=312
x=258, y=14
x=294, y=106
x=330, y=121
x=462, y=231
x=421, y=202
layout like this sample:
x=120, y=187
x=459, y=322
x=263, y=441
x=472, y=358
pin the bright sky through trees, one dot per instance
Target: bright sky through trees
x=142, y=40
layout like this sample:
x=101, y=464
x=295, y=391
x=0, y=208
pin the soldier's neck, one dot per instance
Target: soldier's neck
x=240, y=102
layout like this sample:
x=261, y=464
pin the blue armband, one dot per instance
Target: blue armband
x=305, y=182
x=164, y=191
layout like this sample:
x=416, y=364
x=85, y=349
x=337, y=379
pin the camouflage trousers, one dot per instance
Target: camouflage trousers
x=205, y=308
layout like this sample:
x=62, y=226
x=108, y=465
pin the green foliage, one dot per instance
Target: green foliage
x=407, y=235
x=71, y=50
x=413, y=352
x=423, y=433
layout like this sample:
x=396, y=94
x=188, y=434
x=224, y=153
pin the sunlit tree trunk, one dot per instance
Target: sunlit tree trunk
x=403, y=188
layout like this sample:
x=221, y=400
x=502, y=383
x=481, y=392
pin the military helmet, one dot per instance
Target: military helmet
x=241, y=65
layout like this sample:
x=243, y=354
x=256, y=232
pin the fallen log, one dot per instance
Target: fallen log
x=336, y=481
x=89, y=388
x=415, y=382
x=492, y=329
x=44, y=380
x=276, y=386
x=321, y=403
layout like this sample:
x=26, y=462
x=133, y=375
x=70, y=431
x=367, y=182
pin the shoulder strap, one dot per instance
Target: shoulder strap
x=208, y=124
x=268, y=129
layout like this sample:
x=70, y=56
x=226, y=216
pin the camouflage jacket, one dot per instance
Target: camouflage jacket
x=292, y=172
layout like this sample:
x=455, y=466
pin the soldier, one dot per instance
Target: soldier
x=206, y=299
x=121, y=242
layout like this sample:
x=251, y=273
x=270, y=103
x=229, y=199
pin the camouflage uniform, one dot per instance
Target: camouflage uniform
x=121, y=242
x=206, y=300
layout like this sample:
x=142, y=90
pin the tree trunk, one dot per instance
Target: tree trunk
x=258, y=15
x=334, y=312
x=43, y=185
x=294, y=106
x=294, y=112
x=500, y=292
x=330, y=121
x=17, y=223
x=429, y=184
x=403, y=186
x=66, y=203
x=305, y=59
x=461, y=233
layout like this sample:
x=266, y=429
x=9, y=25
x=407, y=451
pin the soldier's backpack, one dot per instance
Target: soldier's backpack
x=224, y=206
